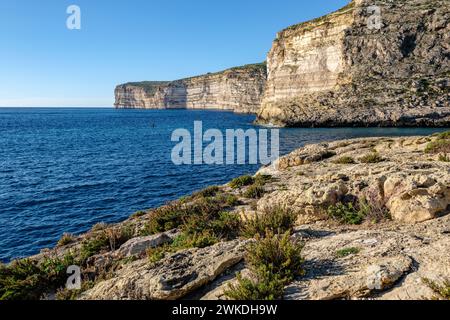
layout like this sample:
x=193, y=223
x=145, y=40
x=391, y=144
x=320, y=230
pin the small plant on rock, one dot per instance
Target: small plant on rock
x=254, y=192
x=373, y=157
x=349, y=213
x=344, y=160
x=441, y=291
x=274, y=261
x=275, y=220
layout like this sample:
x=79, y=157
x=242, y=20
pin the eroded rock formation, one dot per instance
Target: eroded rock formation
x=342, y=70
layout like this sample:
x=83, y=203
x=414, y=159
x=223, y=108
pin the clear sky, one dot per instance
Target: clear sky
x=42, y=63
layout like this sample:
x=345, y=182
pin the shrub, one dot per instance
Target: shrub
x=208, y=192
x=349, y=213
x=262, y=179
x=274, y=220
x=254, y=192
x=372, y=158
x=138, y=214
x=347, y=252
x=438, y=146
x=442, y=291
x=28, y=280
x=65, y=240
x=327, y=155
x=241, y=182
x=91, y=247
x=444, y=135
x=274, y=261
x=344, y=160
x=444, y=158
x=107, y=240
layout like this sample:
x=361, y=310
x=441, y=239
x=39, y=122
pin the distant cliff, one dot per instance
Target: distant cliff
x=238, y=89
x=337, y=71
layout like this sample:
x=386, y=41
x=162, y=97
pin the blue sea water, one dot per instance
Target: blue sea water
x=63, y=170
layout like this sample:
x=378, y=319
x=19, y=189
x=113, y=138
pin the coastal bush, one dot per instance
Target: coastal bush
x=241, y=182
x=349, y=213
x=438, y=146
x=262, y=179
x=274, y=261
x=138, y=214
x=373, y=157
x=344, y=160
x=272, y=220
x=347, y=252
x=107, y=240
x=444, y=158
x=29, y=280
x=65, y=240
x=441, y=291
x=200, y=230
x=444, y=135
x=254, y=192
x=327, y=155
x=208, y=192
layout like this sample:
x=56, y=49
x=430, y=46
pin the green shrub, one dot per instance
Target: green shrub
x=327, y=155
x=274, y=220
x=349, y=213
x=344, y=160
x=208, y=192
x=347, y=252
x=262, y=179
x=274, y=261
x=441, y=291
x=371, y=158
x=241, y=182
x=444, y=135
x=29, y=280
x=107, y=240
x=444, y=158
x=438, y=146
x=254, y=192
x=91, y=247
x=65, y=240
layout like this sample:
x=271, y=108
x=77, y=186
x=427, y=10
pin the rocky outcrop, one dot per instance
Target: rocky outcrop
x=237, y=89
x=345, y=70
x=413, y=185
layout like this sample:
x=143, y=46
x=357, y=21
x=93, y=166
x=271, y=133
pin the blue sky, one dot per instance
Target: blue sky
x=42, y=63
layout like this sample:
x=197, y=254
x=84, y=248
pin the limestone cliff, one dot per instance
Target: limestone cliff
x=342, y=70
x=237, y=89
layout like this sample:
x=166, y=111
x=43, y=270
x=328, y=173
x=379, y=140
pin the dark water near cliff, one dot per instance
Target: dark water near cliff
x=63, y=170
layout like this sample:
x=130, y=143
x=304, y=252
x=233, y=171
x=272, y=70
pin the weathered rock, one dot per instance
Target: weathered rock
x=237, y=89
x=411, y=184
x=342, y=70
x=171, y=278
x=138, y=246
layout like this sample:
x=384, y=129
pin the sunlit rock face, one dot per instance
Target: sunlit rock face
x=237, y=89
x=386, y=65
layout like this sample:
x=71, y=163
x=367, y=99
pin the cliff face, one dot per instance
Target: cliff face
x=238, y=89
x=338, y=71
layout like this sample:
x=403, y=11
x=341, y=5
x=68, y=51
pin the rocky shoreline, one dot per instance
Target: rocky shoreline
x=371, y=222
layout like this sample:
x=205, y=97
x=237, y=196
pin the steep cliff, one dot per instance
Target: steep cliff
x=344, y=70
x=238, y=89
